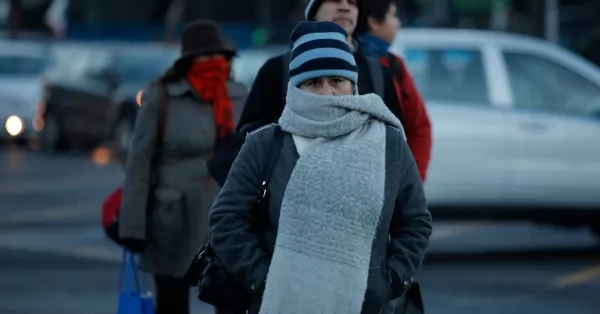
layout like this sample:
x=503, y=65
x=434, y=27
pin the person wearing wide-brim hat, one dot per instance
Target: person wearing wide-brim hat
x=166, y=220
x=200, y=38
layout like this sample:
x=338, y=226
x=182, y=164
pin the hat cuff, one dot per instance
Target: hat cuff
x=188, y=55
x=208, y=51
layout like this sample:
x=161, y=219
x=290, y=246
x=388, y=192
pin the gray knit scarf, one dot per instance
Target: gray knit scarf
x=332, y=204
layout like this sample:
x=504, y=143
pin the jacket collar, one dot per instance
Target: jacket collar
x=182, y=87
x=373, y=46
x=179, y=88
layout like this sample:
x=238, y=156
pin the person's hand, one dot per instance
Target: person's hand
x=134, y=245
x=261, y=288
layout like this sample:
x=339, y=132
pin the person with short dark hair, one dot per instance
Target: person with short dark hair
x=376, y=30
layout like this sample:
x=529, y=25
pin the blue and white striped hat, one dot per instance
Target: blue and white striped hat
x=320, y=49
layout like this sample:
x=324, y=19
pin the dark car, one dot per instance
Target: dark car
x=90, y=92
x=21, y=64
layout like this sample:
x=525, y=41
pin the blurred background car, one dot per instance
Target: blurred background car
x=516, y=125
x=90, y=92
x=249, y=61
x=21, y=64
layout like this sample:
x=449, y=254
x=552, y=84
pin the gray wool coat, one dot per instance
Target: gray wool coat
x=399, y=245
x=173, y=217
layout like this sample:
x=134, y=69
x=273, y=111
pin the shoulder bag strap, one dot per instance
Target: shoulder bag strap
x=160, y=133
x=396, y=70
x=268, y=169
x=274, y=154
x=376, y=72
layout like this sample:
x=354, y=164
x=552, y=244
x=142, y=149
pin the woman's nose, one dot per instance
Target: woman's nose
x=327, y=90
x=344, y=5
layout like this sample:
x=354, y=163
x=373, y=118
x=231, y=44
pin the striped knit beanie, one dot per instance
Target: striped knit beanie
x=320, y=49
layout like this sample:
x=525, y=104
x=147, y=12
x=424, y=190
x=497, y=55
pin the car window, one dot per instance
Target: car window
x=246, y=66
x=142, y=67
x=13, y=65
x=448, y=74
x=541, y=84
x=69, y=63
x=95, y=62
x=249, y=62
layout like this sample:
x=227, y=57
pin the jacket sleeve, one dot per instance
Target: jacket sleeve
x=230, y=218
x=416, y=120
x=410, y=227
x=132, y=218
x=266, y=100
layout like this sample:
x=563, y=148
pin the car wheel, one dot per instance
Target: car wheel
x=51, y=137
x=123, y=132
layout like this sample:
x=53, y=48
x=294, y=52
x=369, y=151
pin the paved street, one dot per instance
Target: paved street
x=55, y=259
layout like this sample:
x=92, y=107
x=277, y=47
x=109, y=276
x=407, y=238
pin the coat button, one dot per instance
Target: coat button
x=252, y=287
x=406, y=283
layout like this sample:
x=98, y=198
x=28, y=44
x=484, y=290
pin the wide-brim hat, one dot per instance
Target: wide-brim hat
x=204, y=37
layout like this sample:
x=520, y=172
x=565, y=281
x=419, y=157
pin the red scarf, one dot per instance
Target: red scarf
x=208, y=79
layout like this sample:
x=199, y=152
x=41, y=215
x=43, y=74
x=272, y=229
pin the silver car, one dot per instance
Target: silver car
x=516, y=124
x=21, y=64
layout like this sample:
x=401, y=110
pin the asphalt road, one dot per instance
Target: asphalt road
x=55, y=259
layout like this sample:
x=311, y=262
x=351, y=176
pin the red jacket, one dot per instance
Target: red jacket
x=414, y=115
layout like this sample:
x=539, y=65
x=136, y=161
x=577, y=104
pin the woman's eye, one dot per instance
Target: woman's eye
x=313, y=83
x=336, y=81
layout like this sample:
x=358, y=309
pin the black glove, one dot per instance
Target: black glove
x=134, y=245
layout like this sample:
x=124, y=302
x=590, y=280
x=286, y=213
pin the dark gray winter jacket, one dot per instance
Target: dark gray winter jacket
x=400, y=243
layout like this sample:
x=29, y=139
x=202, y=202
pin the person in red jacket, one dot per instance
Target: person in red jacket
x=376, y=28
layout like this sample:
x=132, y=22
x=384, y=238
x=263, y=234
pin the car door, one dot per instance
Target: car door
x=468, y=156
x=554, y=135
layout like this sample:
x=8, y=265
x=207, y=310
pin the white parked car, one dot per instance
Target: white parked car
x=21, y=64
x=516, y=125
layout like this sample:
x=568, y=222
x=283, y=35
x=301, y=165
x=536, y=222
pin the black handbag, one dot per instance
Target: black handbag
x=411, y=302
x=216, y=286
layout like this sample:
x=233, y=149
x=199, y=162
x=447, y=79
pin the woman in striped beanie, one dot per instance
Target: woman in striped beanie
x=348, y=224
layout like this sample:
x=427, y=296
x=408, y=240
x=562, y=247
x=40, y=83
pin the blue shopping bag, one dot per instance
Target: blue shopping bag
x=132, y=299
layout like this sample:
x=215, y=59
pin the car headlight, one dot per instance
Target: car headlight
x=14, y=125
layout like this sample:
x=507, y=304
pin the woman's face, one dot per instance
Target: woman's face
x=328, y=86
